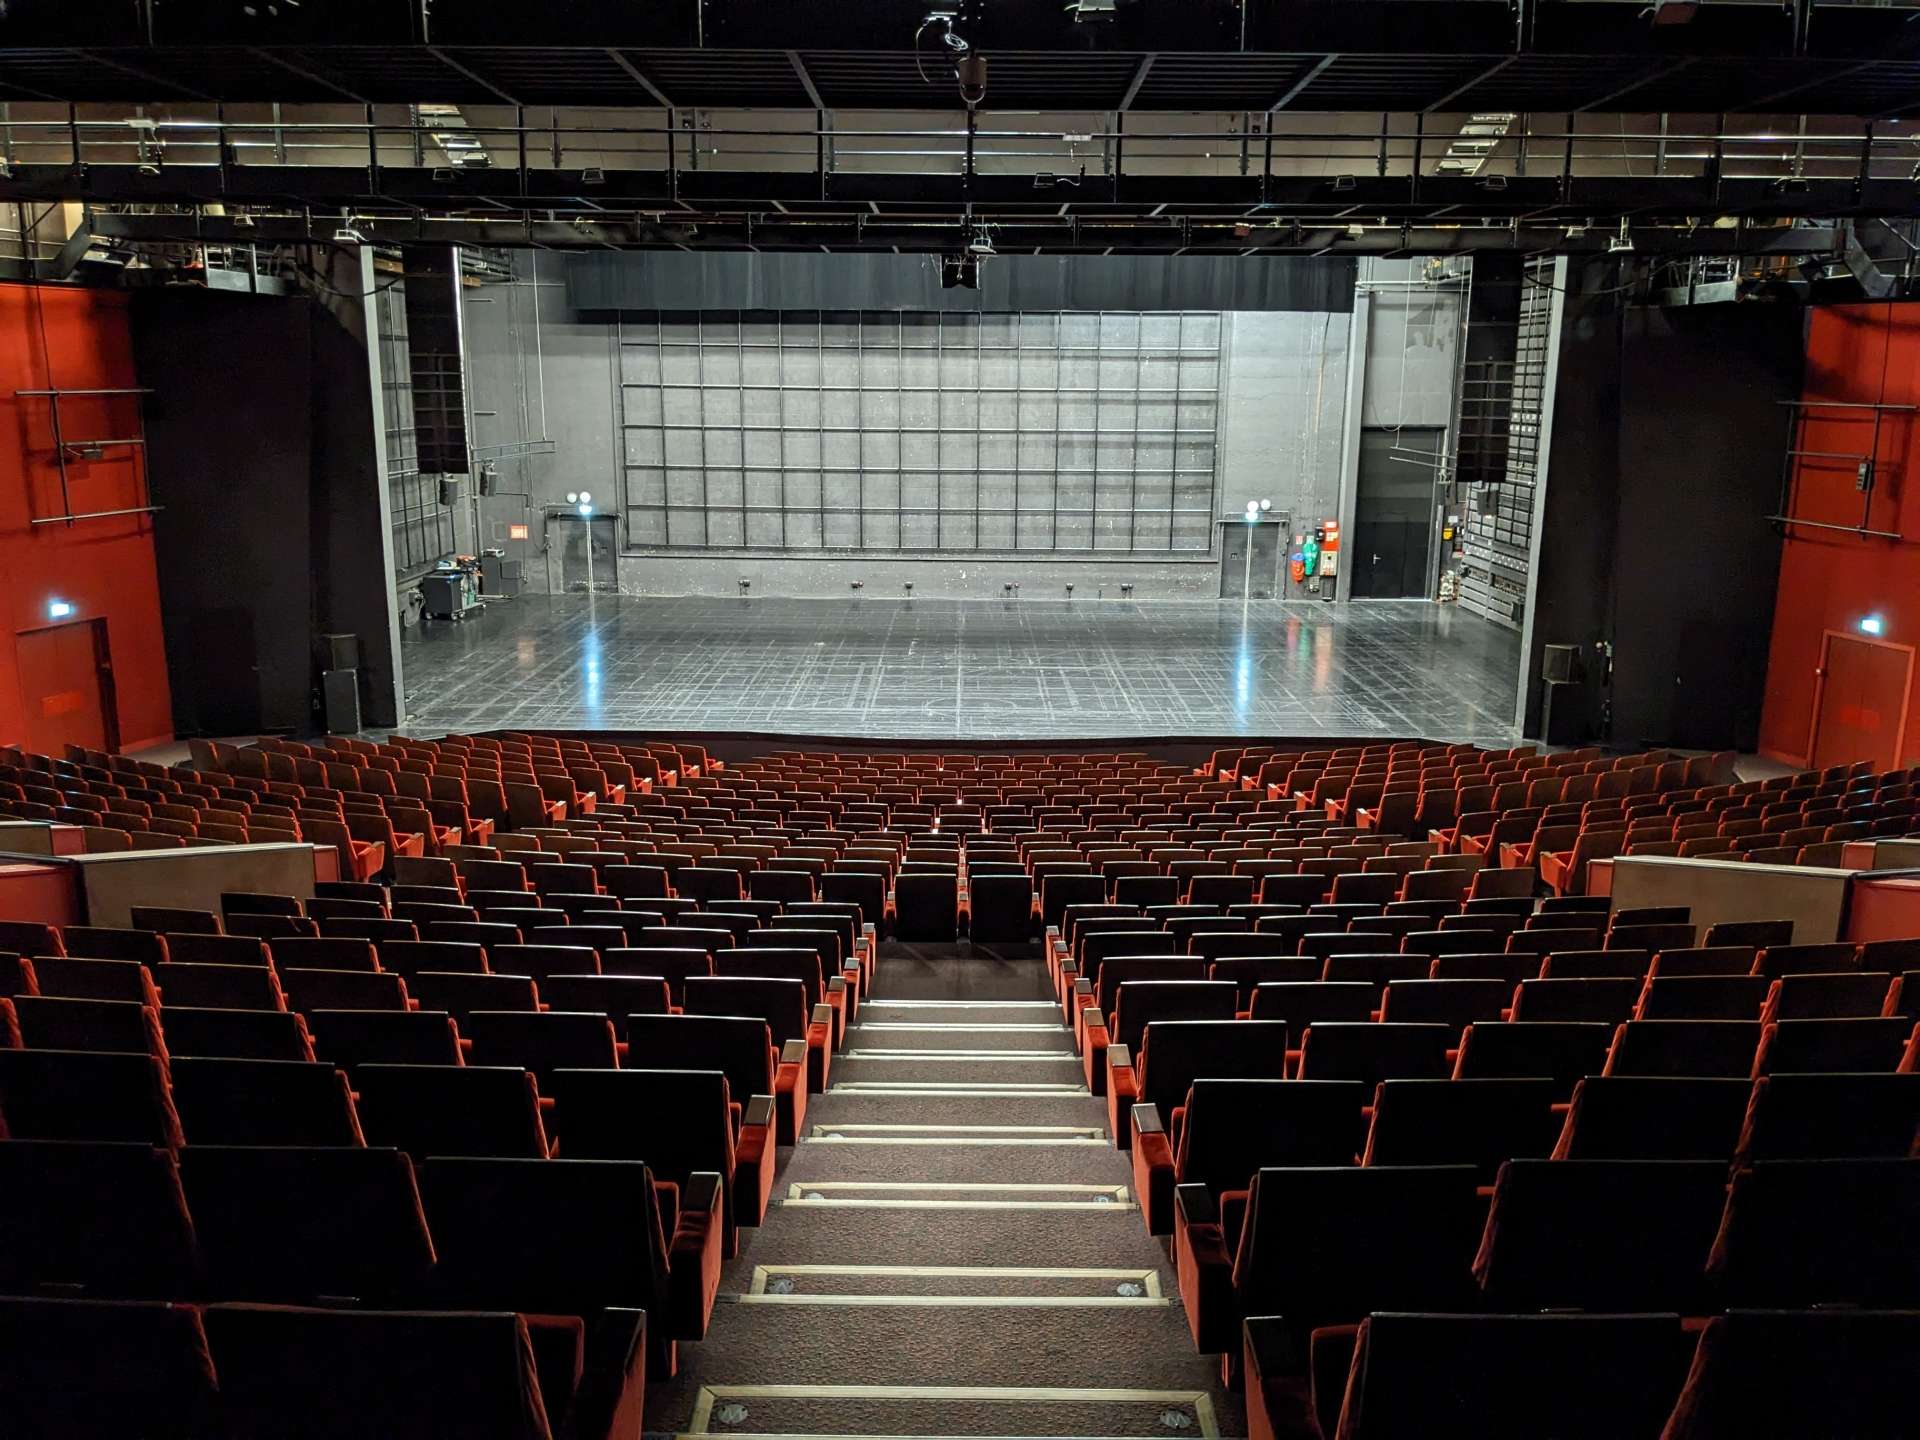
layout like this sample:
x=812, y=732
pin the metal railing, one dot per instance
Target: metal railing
x=1406, y=145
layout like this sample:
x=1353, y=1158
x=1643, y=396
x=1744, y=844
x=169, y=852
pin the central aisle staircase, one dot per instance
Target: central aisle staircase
x=955, y=1247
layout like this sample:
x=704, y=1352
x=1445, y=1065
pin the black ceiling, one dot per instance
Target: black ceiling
x=1167, y=55
x=1181, y=81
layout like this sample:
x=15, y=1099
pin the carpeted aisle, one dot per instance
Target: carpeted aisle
x=954, y=1247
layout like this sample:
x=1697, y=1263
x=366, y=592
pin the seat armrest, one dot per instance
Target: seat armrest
x=838, y=1001
x=1195, y=1205
x=1205, y=1269
x=1153, y=1169
x=819, y=1047
x=613, y=1381
x=790, y=1092
x=1123, y=1088
x=694, y=1255
x=1279, y=1401
x=753, y=1161
x=1093, y=1052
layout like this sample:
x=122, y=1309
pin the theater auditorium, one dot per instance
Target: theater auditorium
x=968, y=719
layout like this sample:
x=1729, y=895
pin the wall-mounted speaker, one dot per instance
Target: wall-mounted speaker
x=1560, y=664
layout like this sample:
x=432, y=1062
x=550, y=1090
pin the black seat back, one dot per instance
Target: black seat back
x=351, y=1038
x=1234, y=1127
x=587, y=1235
x=1461, y=1122
x=740, y=1047
x=1176, y=1053
x=1601, y=1234
x=1370, y=1053
x=325, y=1373
x=1579, y=1377
x=1330, y=1246
x=103, y=1369
x=263, y=1102
x=543, y=1042
x=782, y=1004
x=106, y=1219
x=86, y=1095
x=1804, y=1233
x=292, y=1223
x=1643, y=1117
x=1832, y=1117
x=428, y=1110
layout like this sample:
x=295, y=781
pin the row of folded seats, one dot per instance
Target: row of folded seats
x=1217, y=1128
x=1744, y=1374
x=104, y=1369
x=1392, y=1157
x=613, y=1263
x=1812, y=1004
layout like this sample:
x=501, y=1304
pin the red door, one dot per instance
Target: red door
x=66, y=687
x=1863, y=702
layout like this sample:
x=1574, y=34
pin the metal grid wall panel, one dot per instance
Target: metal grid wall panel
x=1499, y=530
x=880, y=432
x=422, y=526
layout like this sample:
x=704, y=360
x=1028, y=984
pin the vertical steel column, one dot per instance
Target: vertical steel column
x=1059, y=438
x=939, y=432
x=700, y=412
x=1018, y=341
x=860, y=423
x=740, y=394
x=1133, y=455
x=820, y=420
x=899, y=432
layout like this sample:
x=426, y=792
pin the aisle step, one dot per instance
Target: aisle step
x=949, y=1412
x=994, y=1285
x=866, y=1133
x=955, y=1195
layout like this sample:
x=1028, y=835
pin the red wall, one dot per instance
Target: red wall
x=1830, y=580
x=103, y=568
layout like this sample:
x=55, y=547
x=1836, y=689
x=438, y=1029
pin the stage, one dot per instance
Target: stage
x=979, y=670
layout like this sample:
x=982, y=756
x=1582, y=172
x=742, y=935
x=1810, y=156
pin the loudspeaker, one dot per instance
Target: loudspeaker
x=342, y=652
x=1563, y=713
x=436, y=358
x=1560, y=664
x=340, y=698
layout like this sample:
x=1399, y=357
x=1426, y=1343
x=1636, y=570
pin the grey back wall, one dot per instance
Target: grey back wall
x=538, y=368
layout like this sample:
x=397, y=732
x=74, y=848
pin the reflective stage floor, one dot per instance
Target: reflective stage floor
x=977, y=670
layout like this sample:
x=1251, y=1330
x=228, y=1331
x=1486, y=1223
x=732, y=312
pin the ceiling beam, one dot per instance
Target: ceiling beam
x=305, y=74
x=13, y=89
x=473, y=75
x=806, y=80
x=635, y=74
x=1140, y=73
x=1287, y=96
x=1799, y=85
x=1461, y=89
x=1659, y=72
x=147, y=75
